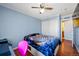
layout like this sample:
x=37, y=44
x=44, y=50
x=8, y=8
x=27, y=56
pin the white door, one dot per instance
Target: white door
x=68, y=30
x=45, y=27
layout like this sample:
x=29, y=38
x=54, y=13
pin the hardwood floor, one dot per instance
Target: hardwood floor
x=18, y=54
x=66, y=49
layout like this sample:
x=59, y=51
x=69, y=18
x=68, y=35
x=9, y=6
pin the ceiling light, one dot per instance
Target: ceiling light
x=42, y=10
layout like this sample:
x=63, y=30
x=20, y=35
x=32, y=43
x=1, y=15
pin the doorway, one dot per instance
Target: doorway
x=62, y=27
x=67, y=30
x=67, y=37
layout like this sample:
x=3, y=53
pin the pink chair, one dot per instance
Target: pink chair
x=23, y=47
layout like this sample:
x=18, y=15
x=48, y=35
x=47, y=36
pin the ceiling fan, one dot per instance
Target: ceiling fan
x=43, y=7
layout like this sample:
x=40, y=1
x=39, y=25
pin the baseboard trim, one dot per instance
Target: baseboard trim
x=77, y=49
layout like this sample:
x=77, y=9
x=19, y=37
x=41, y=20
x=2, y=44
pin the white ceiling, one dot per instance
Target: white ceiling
x=58, y=8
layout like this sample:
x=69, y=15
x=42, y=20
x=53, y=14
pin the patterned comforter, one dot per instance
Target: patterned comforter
x=48, y=48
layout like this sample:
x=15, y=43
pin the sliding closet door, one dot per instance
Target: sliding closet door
x=68, y=30
x=51, y=27
x=45, y=27
x=54, y=29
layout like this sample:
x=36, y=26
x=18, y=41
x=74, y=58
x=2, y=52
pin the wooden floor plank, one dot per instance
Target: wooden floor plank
x=66, y=49
x=18, y=54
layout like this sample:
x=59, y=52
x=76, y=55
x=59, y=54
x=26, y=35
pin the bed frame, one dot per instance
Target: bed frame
x=35, y=52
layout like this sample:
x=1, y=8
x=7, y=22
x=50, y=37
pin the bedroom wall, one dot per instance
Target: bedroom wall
x=68, y=27
x=51, y=27
x=14, y=25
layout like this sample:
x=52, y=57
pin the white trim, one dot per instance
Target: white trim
x=77, y=49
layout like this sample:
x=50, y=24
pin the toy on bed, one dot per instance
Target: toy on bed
x=23, y=47
x=44, y=44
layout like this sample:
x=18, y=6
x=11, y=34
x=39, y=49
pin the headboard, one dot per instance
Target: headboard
x=33, y=34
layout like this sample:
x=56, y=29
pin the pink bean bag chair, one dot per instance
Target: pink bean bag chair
x=23, y=47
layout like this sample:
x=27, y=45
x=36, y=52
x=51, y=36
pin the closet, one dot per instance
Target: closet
x=51, y=27
x=76, y=33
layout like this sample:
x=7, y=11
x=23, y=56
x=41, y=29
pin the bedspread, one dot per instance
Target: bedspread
x=48, y=49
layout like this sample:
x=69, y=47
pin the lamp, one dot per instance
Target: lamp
x=42, y=10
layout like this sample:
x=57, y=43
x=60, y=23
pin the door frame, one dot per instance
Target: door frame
x=73, y=30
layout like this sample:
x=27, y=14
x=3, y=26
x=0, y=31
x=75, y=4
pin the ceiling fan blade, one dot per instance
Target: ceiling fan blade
x=48, y=8
x=35, y=7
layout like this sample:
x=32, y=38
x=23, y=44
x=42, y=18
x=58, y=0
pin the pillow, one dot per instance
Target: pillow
x=26, y=37
x=34, y=34
x=39, y=41
x=30, y=35
x=31, y=38
x=39, y=36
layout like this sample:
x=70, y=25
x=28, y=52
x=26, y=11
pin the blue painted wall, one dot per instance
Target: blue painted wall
x=14, y=25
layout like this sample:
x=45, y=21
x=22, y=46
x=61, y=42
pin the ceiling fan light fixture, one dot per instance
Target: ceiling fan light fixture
x=43, y=7
x=42, y=10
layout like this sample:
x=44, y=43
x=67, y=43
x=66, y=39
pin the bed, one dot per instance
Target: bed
x=43, y=45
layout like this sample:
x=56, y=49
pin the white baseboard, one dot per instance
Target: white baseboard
x=77, y=49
